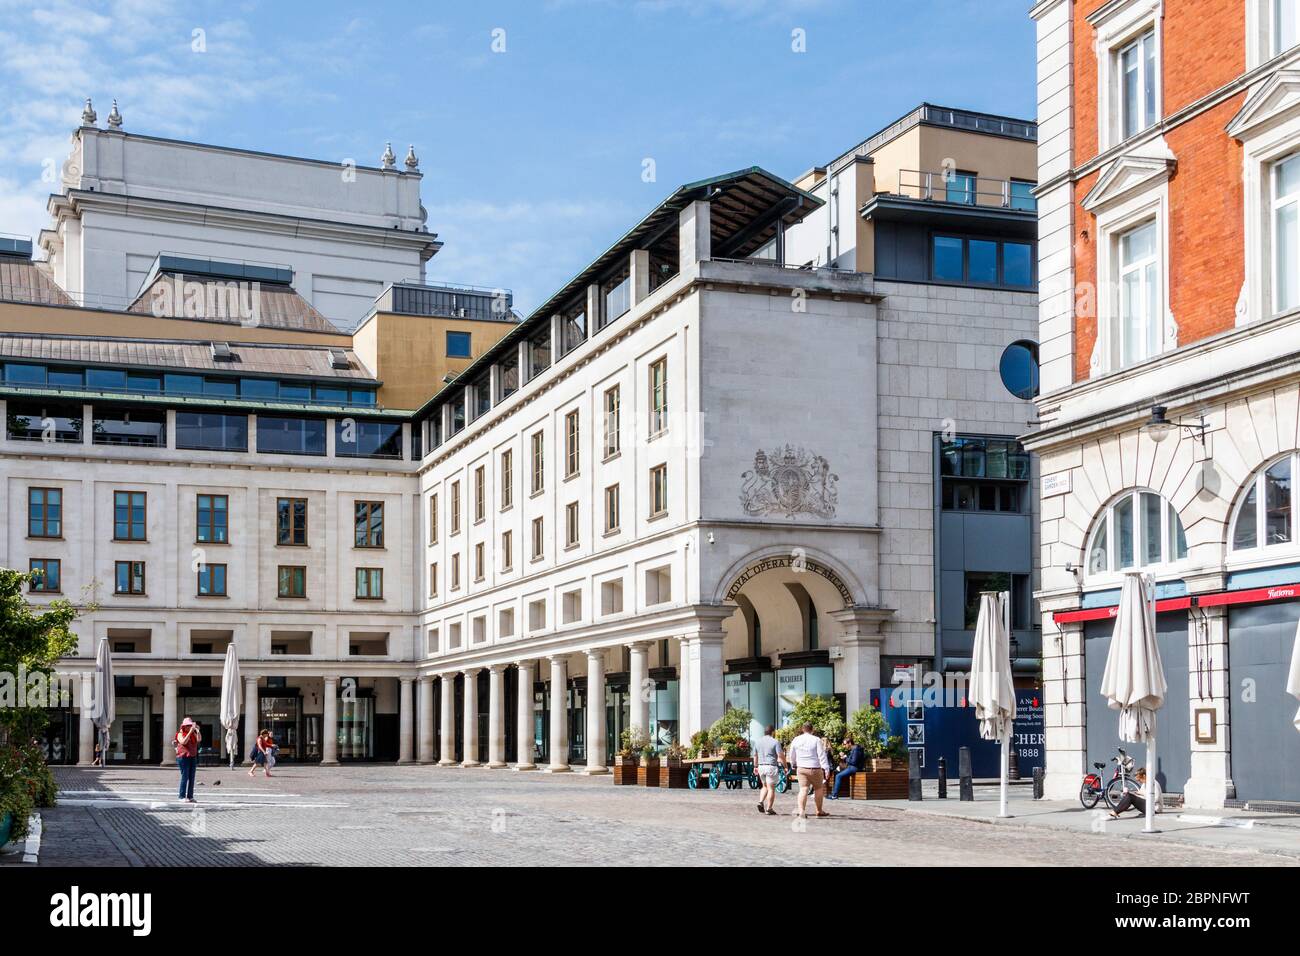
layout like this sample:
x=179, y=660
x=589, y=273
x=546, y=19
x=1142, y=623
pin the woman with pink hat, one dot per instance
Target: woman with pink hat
x=187, y=742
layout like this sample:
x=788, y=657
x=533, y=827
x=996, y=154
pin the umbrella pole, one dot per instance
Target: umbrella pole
x=1150, y=826
x=1005, y=773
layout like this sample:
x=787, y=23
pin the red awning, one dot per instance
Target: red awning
x=1281, y=592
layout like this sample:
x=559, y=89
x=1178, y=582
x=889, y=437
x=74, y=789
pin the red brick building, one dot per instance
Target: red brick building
x=1169, y=267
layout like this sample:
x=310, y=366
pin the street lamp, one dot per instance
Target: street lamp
x=1158, y=426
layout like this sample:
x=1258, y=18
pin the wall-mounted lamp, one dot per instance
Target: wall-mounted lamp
x=1158, y=426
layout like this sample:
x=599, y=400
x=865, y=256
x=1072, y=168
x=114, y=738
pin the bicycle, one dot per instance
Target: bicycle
x=1121, y=781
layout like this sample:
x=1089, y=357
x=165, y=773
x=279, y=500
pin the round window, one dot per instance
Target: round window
x=1019, y=369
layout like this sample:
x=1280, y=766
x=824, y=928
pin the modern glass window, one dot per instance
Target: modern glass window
x=960, y=188
x=1018, y=368
x=183, y=384
x=573, y=329
x=613, y=433
x=508, y=376
x=977, y=582
x=948, y=259
x=457, y=414
x=507, y=550
x=1286, y=234
x=221, y=387
x=1139, y=529
x=44, y=513
x=983, y=264
x=291, y=581
x=507, y=479
x=455, y=507
x=21, y=373
x=366, y=439
x=1022, y=195
x=60, y=377
x=572, y=454
x=1285, y=15
x=480, y=493
x=615, y=297
x=982, y=261
x=539, y=540
x=972, y=457
x=129, y=509
x=291, y=521
x=539, y=353
x=539, y=462
x=212, y=519
x=49, y=422
x=128, y=577
x=658, y=490
x=212, y=580
x=571, y=530
x=47, y=575
x=145, y=428
x=370, y=584
x=611, y=509
x=106, y=379
x=658, y=396
x=1137, y=85
x=1139, y=294
x=967, y=495
x=368, y=524
x=480, y=393
x=1266, y=514
x=458, y=345
x=290, y=436
x=417, y=441
x=1017, y=264
x=211, y=431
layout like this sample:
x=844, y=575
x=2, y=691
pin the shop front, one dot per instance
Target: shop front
x=129, y=737
x=663, y=707
x=59, y=737
x=203, y=705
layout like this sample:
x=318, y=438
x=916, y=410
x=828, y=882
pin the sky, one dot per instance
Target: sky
x=545, y=128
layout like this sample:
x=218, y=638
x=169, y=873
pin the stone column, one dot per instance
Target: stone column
x=707, y=691
x=471, y=718
x=426, y=720
x=251, y=717
x=86, y=732
x=596, y=743
x=405, y=722
x=330, y=722
x=1064, y=715
x=638, y=685
x=447, y=756
x=1211, y=783
x=862, y=641
x=170, y=722
x=524, y=728
x=685, y=719
x=559, y=716
x=496, y=717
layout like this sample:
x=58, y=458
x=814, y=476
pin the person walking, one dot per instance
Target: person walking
x=768, y=758
x=854, y=761
x=263, y=754
x=187, y=742
x=812, y=766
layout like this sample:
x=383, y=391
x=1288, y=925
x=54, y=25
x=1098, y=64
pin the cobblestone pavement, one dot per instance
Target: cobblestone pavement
x=383, y=815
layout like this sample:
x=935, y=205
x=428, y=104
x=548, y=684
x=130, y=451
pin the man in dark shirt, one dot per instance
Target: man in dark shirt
x=855, y=761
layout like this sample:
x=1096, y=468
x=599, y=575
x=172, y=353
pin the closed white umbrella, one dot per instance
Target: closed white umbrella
x=1134, y=680
x=1293, y=681
x=992, y=688
x=102, y=708
x=230, y=701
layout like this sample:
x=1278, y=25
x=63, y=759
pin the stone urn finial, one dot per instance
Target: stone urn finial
x=412, y=161
x=114, y=117
x=388, y=160
x=88, y=117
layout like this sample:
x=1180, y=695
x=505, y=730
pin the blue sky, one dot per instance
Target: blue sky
x=532, y=157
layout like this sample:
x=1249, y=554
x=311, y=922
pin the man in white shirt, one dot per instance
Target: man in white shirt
x=809, y=759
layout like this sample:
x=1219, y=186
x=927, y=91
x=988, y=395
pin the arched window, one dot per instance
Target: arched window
x=1139, y=529
x=1266, y=513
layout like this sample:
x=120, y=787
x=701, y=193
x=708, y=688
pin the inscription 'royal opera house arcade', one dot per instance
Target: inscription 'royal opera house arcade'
x=797, y=563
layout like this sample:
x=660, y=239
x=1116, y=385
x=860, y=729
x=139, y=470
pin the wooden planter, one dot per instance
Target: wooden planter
x=878, y=785
x=672, y=774
x=625, y=771
x=647, y=772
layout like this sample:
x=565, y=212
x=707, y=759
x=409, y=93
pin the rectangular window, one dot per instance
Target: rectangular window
x=458, y=345
x=960, y=188
x=539, y=543
x=616, y=296
x=571, y=524
x=658, y=490
x=370, y=584
x=1021, y=194
x=433, y=519
x=508, y=377
x=539, y=353
x=44, y=513
x=142, y=428
x=212, y=580
x=128, y=577
x=613, y=440
x=433, y=579
x=129, y=516
x=368, y=522
x=47, y=575
x=457, y=413
x=571, y=445
x=947, y=260
x=480, y=493
x=365, y=439
x=480, y=561
x=291, y=581
x=1139, y=295
x=573, y=329
x=44, y=421
x=455, y=571
x=539, y=462
x=659, y=396
x=291, y=521
x=211, y=431
x=611, y=509
x=1137, y=79
x=455, y=507
x=507, y=550
x=290, y=436
x=507, y=479
x=1286, y=14
x=1018, y=264
x=212, y=519
x=1286, y=234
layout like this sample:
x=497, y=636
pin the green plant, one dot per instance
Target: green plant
x=25, y=784
x=823, y=713
x=674, y=751
x=633, y=740
x=731, y=732
x=701, y=743
x=32, y=639
x=869, y=729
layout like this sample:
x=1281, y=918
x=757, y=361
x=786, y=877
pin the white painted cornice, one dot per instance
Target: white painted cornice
x=1276, y=100
x=1135, y=171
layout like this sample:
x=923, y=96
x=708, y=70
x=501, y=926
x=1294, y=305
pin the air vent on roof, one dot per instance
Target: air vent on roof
x=221, y=352
x=339, y=359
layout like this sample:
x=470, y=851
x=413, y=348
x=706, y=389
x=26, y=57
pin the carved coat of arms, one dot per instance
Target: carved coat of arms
x=789, y=481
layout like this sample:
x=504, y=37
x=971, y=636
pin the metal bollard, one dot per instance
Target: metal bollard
x=966, y=785
x=1038, y=783
x=1013, y=764
x=943, y=778
x=913, y=775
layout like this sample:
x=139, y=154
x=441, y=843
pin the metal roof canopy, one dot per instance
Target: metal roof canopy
x=745, y=207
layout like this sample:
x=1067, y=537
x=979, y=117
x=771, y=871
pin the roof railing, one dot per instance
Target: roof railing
x=962, y=189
